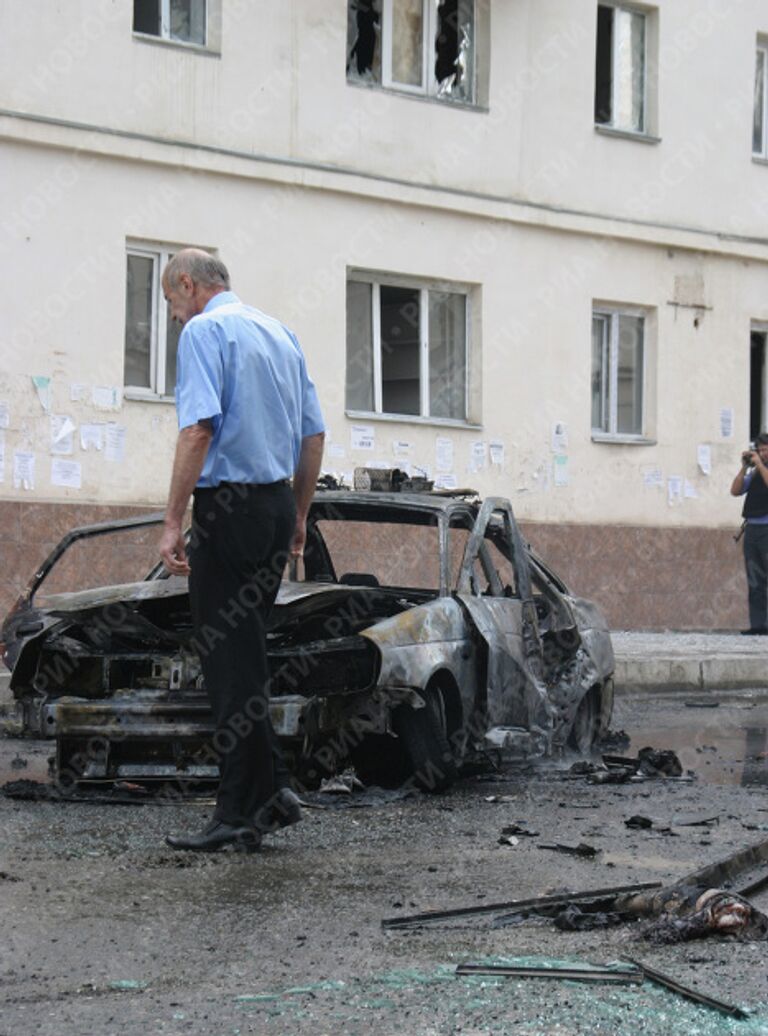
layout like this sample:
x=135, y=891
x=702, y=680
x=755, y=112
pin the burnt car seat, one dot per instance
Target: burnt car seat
x=359, y=579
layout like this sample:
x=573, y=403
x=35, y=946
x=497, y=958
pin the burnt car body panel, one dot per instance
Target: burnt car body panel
x=461, y=630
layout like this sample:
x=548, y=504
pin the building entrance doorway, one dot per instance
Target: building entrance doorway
x=758, y=410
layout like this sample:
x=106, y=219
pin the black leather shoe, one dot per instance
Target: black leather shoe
x=215, y=837
x=755, y=631
x=282, y=811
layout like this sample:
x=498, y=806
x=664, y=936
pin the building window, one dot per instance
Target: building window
x=151, y=337
x=420, y=46
x=183, y=21
x=760, y=124
x=406, y=350
x=621, y=68
x=618, y=372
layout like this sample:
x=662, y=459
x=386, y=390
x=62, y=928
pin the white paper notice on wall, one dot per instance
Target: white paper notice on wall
x=478, y=454
x=42, y=384
x=401, y=448
x=91, y=436
x=689, y=490
x=362, y=437
x=335, y=449
x=726, y=422
x=115, y=435
x=443, y=453
x=446, y=481
x=78, y=392
x=2, y=455
x=62, y=440
x=559, y=437
x=653, y=478
x=23, y=470
x=704, y=458
x=674, y=488
x=67, y=473
x=561, y=470
x=5, y=415
x=107, y=397
x=496, y=452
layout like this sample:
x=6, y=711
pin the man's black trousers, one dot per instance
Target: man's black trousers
x=239, y=547
x=756, y=562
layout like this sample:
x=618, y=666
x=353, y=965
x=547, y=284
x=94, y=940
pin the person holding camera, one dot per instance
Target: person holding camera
x=752, y=480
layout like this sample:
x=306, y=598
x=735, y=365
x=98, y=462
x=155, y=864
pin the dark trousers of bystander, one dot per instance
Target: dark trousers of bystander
x=756, y=562
x=239, y=547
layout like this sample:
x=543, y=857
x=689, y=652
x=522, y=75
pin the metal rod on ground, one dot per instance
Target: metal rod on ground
x=755, y=886
x=690, y=994
x=575, y=974
x=514, y=905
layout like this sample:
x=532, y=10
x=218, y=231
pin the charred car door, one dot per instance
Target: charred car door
x=494, y=587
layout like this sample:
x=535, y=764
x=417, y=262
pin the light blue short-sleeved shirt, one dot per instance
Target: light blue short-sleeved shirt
x=245, y=372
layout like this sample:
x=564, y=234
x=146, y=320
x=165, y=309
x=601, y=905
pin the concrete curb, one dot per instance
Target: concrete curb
x=674, y=674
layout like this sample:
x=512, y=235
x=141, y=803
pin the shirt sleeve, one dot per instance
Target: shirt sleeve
x=312, y=422
x=199, y=376
x=747, y=482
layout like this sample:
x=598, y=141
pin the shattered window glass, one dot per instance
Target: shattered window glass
x=364, y=40
x=454, y=50
x=422, y=46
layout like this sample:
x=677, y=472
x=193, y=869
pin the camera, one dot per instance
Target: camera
x=746, y=457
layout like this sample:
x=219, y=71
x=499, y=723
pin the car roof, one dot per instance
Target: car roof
x=434, y=502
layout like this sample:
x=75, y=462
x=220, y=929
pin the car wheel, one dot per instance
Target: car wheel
x=586, y=724
x=422, y=733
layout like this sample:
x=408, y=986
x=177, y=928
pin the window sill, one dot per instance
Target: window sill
x=162, y=41
x=623, y=134
x=623, y=440
x=139, y=396
x=760, y=159
x=439, y=422
x=413, y=95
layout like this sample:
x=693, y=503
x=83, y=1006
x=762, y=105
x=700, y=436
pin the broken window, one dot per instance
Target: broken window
x=151, y=337
x=183, y=21
x=620, y=72
x=759, y=136
x=406, y=350
x=420, y=46
x=618, y=370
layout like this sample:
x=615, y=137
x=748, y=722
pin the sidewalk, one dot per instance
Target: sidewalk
x=652, y=662
x=689, y=661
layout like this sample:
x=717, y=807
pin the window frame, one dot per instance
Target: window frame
x=378, y=281
x=159, y=254
x=613, y=126
x=762, y=48
x=613, y=314
x=429, y=86
x=164, y=35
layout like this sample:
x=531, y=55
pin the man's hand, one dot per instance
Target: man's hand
x=173, y=551
x=299, y=538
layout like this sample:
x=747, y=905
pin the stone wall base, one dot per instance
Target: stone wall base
x=642, y=578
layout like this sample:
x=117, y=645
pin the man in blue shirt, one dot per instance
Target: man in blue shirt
x=752, y=479
x=249, y=421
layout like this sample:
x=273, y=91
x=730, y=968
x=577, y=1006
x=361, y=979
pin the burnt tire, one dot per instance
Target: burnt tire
x=427, y=757
x=585, y=732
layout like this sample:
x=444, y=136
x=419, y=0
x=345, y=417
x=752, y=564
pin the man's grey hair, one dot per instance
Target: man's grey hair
x=201, y=266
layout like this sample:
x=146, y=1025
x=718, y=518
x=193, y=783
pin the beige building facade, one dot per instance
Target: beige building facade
x=524, y=244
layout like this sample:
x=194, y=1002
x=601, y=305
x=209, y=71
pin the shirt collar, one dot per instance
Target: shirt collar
x=222, y=299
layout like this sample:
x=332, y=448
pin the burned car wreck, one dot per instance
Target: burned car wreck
x=419, y=632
